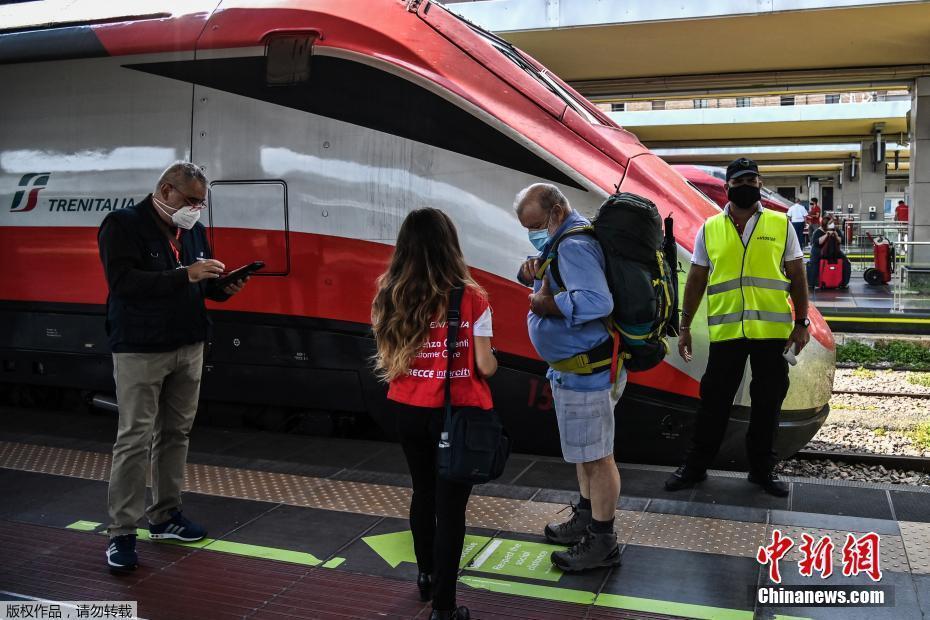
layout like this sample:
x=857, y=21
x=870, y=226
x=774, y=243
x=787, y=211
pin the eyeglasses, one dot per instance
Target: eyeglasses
x=192, y=201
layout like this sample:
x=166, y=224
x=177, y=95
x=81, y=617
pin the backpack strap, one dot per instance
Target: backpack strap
x=552, y=257
x=453, y=321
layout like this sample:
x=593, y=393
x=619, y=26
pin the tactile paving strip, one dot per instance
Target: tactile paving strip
x=718, y=536
x=891, y=550
x=916, y=538
x=701, y=534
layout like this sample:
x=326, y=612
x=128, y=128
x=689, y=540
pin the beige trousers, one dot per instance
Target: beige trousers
x=157, y=395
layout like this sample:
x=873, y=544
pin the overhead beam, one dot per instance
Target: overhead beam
x=748, y=84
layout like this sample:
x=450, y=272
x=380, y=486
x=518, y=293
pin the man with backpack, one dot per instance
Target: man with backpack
x=749, y=260
x=568, y=329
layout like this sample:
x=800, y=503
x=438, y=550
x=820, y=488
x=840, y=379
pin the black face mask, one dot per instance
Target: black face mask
x=744, y=196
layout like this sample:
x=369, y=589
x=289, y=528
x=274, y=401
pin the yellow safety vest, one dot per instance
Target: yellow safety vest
x=747, y=290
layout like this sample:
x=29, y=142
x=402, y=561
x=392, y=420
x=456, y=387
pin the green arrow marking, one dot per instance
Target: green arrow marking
x=393, y=548
x=397, y=547
x=498, y=556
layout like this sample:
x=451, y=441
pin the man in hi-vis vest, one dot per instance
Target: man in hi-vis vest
x=749, y=260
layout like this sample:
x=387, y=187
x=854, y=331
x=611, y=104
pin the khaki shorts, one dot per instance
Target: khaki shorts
x=586, y=421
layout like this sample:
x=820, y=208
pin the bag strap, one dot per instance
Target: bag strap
x=453, y=321
x=552, y=257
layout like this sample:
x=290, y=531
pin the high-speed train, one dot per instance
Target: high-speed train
x=320, y=124
x=711, y=181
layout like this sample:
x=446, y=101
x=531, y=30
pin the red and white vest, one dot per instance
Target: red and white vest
x=424, y=383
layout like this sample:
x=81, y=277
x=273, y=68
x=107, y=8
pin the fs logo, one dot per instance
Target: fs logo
x=30, y=184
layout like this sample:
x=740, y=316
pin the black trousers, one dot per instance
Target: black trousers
x=437, y=508
x=725, y=367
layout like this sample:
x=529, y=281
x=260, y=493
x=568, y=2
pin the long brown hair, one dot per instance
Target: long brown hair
x=426, y=265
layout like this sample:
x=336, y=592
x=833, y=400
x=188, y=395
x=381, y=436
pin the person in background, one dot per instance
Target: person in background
x=408, y=317
x=901, y=212
x=826, y=241
x=798, y=214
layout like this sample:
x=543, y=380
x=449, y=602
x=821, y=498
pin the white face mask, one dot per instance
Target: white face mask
x=831, y=226
x=185, y=217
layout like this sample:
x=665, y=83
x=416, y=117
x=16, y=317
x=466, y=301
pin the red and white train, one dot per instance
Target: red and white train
x=320, y=124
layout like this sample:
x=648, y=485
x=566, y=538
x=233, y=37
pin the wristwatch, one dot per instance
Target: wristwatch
x=805, y=322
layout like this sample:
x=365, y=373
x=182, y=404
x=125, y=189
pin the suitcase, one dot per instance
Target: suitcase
x=831, y=273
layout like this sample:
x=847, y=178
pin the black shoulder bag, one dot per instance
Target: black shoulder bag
x=473, y=447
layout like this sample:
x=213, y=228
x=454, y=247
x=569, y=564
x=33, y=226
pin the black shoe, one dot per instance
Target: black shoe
x=121, y=553
x=684, y=478
x=459, y=613
x=594, y=550
x=178, y=527
x=770, y=484
x=425, y=584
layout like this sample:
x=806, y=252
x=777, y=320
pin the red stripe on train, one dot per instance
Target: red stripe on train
x=330, y=278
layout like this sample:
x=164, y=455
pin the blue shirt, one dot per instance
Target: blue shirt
x=585, y=301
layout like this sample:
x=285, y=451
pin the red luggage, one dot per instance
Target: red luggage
x=831, y=273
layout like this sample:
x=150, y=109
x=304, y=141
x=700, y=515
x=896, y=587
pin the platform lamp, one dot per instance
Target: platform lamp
x=878, y=146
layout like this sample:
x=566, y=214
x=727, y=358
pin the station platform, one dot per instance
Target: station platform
x=863, y=308
x=305, y=527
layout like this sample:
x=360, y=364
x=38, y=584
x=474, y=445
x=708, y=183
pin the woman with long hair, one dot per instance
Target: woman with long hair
x=408, y=318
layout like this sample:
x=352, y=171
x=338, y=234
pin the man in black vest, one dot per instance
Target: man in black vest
x=159, y=269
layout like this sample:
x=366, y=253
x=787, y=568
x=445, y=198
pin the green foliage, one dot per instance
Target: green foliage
x=919, y=378
x=864, y=373
x=896, y=352
x=921, y=435
x=880, y=431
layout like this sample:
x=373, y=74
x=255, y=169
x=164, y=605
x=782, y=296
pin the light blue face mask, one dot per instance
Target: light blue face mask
x=539, y=238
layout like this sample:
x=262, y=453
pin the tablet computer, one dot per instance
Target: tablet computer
x=238, y=274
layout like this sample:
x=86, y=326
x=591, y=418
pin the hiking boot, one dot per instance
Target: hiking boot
x=571, y=531
x=594, y=550
x=684, y=478
x=178, y=527
x=121, y=553
x=770, y=484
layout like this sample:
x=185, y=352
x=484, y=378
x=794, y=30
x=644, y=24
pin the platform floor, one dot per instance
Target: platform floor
x=316, y=528
x=861, y=307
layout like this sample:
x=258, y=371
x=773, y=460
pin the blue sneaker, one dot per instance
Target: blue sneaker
x=121, y=553
x=178, y=527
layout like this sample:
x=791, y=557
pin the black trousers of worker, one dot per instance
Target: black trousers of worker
x=437, y=508
x=725, y=367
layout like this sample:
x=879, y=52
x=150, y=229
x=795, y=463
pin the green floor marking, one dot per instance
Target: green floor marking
x=546, y=593
x=397, y=547
x=83, y=526
x=614, y=601
x=517, y=558
x=688, y=610
x=226, y=546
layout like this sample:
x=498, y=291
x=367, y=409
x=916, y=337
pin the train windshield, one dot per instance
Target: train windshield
x=513, y=54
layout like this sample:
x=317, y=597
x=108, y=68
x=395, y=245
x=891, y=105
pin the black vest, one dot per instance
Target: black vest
x=160, y=322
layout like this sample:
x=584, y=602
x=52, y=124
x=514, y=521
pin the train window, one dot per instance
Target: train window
x=287, y=58
x=543, y=77
x=706, y=198
x=248, y=222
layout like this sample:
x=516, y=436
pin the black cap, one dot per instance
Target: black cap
x=741, y=167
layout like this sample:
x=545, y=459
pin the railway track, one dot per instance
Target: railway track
x=883, y=394
x=888, y=461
